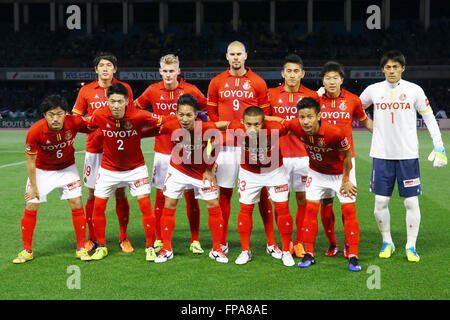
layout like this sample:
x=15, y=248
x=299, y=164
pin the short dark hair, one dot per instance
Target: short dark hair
x=293, y=58
x=188, y=99
x=393, y=55
x=107, y=56
x=253, y=112
x=307, y=103
x=117, y=88
x=53, y=101
x=333, y=66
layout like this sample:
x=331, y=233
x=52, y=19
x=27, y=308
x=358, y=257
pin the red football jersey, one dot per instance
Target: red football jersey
x=324, y=148
x=256, y=157
x=341, y=111
x=122, y=138
x=54, y=150
x=164, y=102
x=90, y=98
x=283, y=104
x=229, y=96
x=189, y=154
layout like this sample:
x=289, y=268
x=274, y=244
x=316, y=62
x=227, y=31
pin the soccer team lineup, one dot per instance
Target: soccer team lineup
x=266, y=144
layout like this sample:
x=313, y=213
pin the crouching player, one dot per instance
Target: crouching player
x=261, y=166
x=330, y=159
x=121, y=125
x=51, y=165
x=191, y=164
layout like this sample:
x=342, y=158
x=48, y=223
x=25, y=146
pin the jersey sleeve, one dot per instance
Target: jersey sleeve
x=358, y=111
x=169, y=126
x=213, y=101
x=81, y=103
x=366, y=98
x=93, y=122
x=144, y=99
x=422, y=104
x=202, y=101
x=341, y=141
x=81, y=124
x=262, y=94
x=31, y=144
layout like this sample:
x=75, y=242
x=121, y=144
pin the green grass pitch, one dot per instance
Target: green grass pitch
x=129, y=276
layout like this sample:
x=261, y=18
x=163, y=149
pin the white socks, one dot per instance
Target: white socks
x=383, y=218
x=412, y=220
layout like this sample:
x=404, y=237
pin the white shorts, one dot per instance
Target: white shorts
x=66, y=181
x=176, y=182
x=92, y=163
x=108, y=181
x=297, y=169
x=161, y=163
x=250, y=185
x=227, y=166
x=323, y=186
x=352, y=176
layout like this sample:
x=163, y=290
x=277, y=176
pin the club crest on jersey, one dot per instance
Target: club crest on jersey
x=402, y=97
x=321, y=142
x=246, y=85
x=68, y=135
x=127, y=125
x=343, y=106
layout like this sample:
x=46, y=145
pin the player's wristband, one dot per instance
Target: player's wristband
x=345, y=179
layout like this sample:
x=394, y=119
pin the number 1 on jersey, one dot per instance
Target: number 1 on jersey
x=392, y=116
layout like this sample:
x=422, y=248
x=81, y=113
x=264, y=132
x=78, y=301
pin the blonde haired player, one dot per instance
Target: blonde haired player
x=163, y=97
x=395, y=148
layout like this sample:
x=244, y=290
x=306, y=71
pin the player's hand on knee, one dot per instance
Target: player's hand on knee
x=31, y=194
x=349, y=189
x=209, y=176
x=438, y=157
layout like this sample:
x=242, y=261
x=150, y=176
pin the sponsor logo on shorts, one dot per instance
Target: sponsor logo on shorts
x=28, y=147
x=141, y=182
x=73, y=185
x=209, y=189
x=282, y=188
x=411, y=182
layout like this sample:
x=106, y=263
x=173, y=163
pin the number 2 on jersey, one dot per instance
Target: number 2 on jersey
x=120, y=146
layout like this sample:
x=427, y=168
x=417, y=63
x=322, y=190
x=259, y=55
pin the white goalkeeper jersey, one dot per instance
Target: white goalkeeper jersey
x=395, y=118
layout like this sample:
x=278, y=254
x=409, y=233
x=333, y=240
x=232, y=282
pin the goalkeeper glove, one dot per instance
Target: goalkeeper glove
x=438, y=156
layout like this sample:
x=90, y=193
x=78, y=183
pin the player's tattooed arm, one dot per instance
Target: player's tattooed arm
x=32, y=192
x=347, y=186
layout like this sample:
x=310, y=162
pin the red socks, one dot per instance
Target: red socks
x=167, y=227
x=310, y=225
x=28, y=223
x=79, y=223
x=148, y=220
x=245, y=225
x=159, y=206
x=89, y=213
x=193, y=214
x=284, y=223
x=328, y=219
x=225, y=202
x=265, y=209
x=99, y=219
x=351, y=227
x=299, y=219
x=123, y=214
x=215, y=223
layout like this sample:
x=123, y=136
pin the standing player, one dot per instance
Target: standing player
x=90, y=98
x=229, y=94
x=283, y=102
x=123, y=163
x=191, y=165
x=261, y=166
x=163, y=97
x=330, y=161
x=395, y=147
x=338, y=106
x=51, y=165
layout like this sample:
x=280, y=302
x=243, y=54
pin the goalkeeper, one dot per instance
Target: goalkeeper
x=394, y=148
